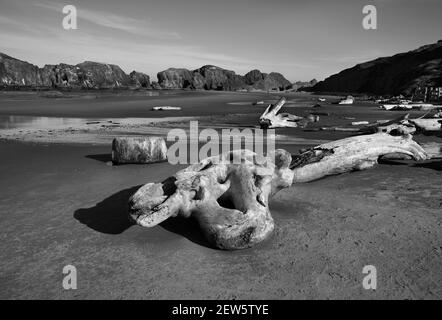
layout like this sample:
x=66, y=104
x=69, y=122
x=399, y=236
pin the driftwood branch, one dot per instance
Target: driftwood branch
x=271, y=118
x=354, y=153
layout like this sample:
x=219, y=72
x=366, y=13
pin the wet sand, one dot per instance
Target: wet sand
x=61, y=203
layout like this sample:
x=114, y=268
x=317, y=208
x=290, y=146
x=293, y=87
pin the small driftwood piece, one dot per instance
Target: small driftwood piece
x=427, y=124
x=405, y=125
x=398, y=126
x=138, y=150
x=229, y=194
x=271, y=118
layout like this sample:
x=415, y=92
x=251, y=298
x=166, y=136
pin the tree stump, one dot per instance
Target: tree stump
x=138, y=150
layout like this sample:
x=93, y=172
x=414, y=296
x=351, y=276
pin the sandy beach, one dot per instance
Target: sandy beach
x=61, y=202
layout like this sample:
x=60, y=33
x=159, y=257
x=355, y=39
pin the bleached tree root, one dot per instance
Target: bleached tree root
x=228, y=194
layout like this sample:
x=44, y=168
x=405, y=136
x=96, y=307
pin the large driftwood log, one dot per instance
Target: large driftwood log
x=229, y=198
x=354, y=153
x=138, y=150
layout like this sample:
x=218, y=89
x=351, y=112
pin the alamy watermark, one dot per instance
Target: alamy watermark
x=186, y=147
x=70, y=278
x=370, y=281
x=70, y=20
x=370, y=20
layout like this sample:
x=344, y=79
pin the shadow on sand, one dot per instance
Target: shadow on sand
x=435, y=165
x=110, y=217
x=104, y=157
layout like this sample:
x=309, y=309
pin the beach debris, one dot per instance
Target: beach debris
x=339, y=129
x=321, y=99
x=405, y=125
x=138, y=150
x=427, y=125
x=165, y=108
x=398, y=126
x=348, y=100
x=359, y=123
x=312, y=117
x=229, y=194
x=396, y=107
x=408, y=105
x=272, y=119
x=320, y=113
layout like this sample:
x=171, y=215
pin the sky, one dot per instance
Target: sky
x=301, y=39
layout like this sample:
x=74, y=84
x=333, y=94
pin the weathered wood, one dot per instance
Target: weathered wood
x=138, y=150
x=230, y=200
x=354, y=153
x=427, y=125
x=272, y=119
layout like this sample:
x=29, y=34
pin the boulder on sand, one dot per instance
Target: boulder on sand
x=138, y=150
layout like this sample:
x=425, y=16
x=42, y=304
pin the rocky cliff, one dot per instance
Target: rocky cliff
x=174, y=78
x=211, y=77
x=88, y=74
x=14, y=72
x=17, y=72
x=397, y=74
x=139, y=79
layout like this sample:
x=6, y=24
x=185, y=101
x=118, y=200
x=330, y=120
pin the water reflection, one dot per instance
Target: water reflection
x=29, y=122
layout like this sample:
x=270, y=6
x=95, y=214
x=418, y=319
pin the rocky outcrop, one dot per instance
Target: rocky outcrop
x=94, y=75
x=174, y=78
x=101, y=75
x=254, y=76
x=17, y=72
x=401, y=73
x=273, y=81
x=139, y=79
x=302, y=85
x=61, y=75
x=14, y=72
x=221, y=79
x=211, y=77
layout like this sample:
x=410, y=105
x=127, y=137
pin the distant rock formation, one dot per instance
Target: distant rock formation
x=174, y=78
x=301, y=85
x=253, y=76
x=14, y=72
x=88, y=74
x=398, y=74
x=273, y=81
x=221, y=79
x=211, y=77
x=139, y=79
x=100, y=75
x=17, y=72
x=61, y=75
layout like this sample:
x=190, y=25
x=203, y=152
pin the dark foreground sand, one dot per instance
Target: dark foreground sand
x=63, y=204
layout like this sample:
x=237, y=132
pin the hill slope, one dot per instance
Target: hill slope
x=400, y=73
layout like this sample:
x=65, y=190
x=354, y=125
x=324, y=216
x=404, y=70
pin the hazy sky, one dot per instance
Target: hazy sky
x=301, y=39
